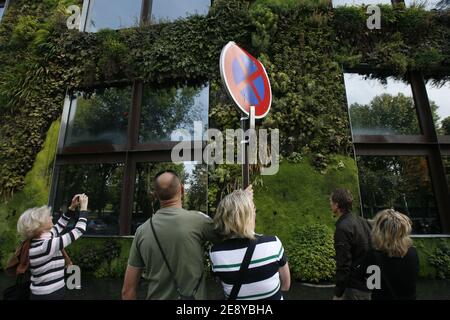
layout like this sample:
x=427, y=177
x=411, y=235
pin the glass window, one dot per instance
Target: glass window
x=380, y=109
x=103, y=185
x=402, y=183
x=113, y=14
x=439, y=97
x=446, y=162
x=2, y=9
x=169, y=109
x=100, y=118
x=337, y=3
x=170, y=10
x=428, y=4
x=195, y=180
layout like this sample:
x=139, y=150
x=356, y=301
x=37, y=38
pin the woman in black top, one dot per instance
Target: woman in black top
x=393, y=252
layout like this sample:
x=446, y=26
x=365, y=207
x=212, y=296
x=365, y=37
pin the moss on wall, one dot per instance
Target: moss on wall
x=102, y=257
x=302, y=43
x=299, y=195
x=426, y=248
x=35, y=193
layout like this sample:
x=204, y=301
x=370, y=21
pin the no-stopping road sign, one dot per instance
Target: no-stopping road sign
x=246, y=80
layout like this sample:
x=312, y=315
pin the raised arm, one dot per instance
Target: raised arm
x=59, y=243
x=64, y=219
x=60, y=225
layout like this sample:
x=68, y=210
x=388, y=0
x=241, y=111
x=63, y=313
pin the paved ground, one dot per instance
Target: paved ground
x=109, y=289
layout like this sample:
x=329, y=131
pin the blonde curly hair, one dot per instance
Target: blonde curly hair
x=391, y=233
x=235, y=216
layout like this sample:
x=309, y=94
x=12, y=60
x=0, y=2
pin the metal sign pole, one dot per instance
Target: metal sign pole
x=246, y=124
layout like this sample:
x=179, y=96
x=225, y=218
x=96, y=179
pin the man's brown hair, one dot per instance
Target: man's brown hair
x=344, y=199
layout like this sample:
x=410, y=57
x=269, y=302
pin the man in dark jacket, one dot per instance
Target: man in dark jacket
x=351, y=242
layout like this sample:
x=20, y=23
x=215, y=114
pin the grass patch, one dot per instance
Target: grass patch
x=35, y=193
x=299, y=195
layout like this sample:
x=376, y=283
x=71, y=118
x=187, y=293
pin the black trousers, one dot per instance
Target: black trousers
x=57, y=295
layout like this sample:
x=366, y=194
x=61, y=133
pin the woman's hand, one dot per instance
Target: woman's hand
x=83, y=202
x=249, y=191
x=75, y=202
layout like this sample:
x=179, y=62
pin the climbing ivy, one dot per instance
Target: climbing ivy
x=302, y=43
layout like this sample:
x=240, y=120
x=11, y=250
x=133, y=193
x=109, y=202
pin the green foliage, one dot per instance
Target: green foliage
x=432, y=254
x=311, y=253
x=409, y=39
x=102, y=257
x=302, y=43
x=34, y=194
x=440, y=259
x=385, y=112
x=299, y=195
x=445, y=126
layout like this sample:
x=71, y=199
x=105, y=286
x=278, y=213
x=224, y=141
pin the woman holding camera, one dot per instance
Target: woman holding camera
x=47, y=263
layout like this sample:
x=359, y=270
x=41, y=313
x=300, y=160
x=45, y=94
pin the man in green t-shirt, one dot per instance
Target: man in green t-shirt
x=182, y=235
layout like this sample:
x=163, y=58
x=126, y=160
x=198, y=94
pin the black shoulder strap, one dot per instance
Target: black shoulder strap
x=172, y=275
x=244, y=267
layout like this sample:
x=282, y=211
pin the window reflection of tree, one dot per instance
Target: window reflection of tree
x=446, y=161
x=402, y=183
x=387, y=114
x=197, y=195
x=101, y=182
x=165, y=110
x=146, y=204
x=101, y=117
x=443, y=4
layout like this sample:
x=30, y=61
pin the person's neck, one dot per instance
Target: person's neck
x=176, y=203
x=340, y=214
x=45, y=235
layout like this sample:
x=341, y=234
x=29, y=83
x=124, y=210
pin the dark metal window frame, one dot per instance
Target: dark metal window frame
x=429, y=144
x=129, y=155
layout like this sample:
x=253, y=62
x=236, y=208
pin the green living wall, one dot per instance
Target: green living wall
x=303, y=45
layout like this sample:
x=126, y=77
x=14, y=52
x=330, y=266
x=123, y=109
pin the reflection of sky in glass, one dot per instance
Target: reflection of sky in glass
x=363, y=91
x=1, y=12
x=189, y=167
x=91, y=130
x=337, y=3
x=174, y=9
x=440, y=96
x=200, y=113
x=428, y=4
x=113, y=14
x=184, y=129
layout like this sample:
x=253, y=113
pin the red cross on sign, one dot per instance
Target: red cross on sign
x=246, y=80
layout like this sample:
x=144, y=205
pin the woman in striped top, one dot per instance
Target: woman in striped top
x=268, y=272
x=46, y=260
